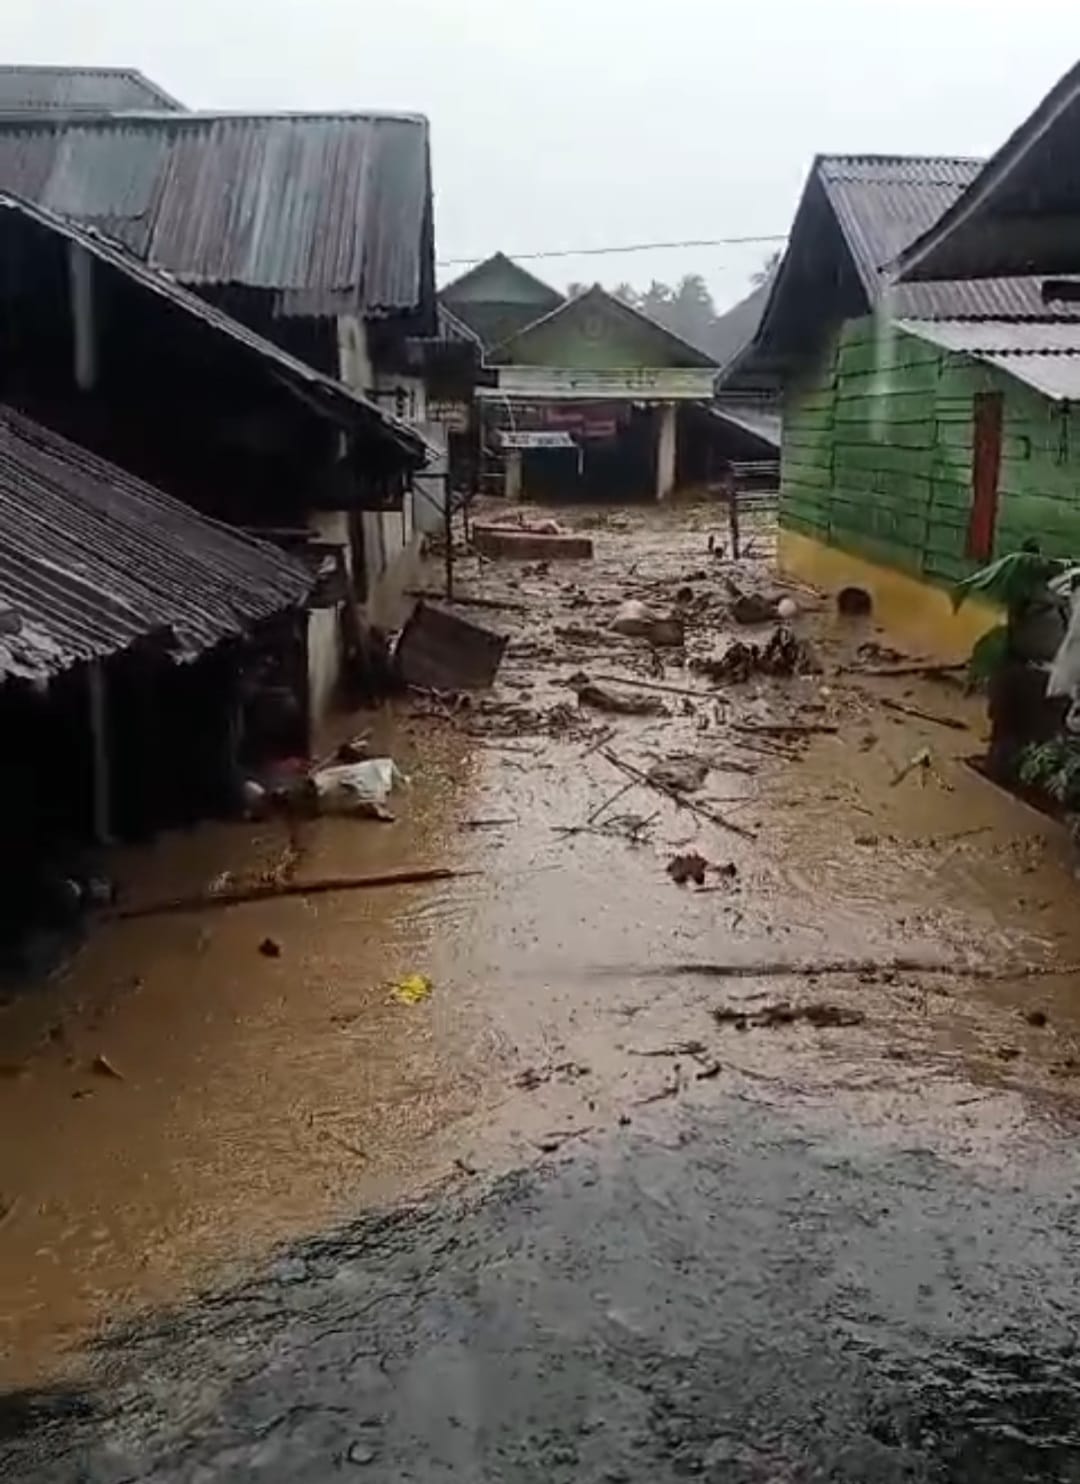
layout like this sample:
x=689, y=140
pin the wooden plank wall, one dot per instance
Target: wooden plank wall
x=877, y=455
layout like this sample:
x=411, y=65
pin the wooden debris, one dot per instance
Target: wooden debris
x=786, y=728
x=669, y=690
x=701, y=810
x=602, y=699
x=460, y=600
x=820, y=1015
x=104, y=1068
x=779, y=969
x=927, y=671
x=269, y=891
x=690, y=867
x=920, y=715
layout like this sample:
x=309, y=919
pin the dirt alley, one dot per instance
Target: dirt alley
x=570, y=1039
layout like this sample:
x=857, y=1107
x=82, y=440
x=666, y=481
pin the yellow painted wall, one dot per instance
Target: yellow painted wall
x=916, y=613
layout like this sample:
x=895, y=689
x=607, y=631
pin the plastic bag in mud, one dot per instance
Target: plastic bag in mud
x=360, y=789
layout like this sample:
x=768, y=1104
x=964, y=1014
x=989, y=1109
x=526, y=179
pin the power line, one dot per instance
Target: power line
x=596, y=252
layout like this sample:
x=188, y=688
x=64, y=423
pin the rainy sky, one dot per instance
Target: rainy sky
x=572, y=123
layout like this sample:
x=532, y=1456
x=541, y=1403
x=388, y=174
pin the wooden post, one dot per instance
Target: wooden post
x=448, y=530
x=733, y=518
x=99, y=752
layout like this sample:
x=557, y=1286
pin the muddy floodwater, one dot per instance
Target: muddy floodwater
x=580, y=996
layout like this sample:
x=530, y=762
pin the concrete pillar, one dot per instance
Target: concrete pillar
x=666, y=449
x=515, y=474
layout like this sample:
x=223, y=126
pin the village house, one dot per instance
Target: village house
x=582, y=396
x=926, y=427
x=314, y=230
x=135, y=369
x=590, y=399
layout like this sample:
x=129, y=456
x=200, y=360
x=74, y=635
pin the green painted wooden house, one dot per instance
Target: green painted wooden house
x=927, y=427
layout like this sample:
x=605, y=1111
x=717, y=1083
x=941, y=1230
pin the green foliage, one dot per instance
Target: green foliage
x=988, y=654
x=1053, y=767
x=1012, y=581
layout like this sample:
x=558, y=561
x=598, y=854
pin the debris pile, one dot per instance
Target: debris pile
x=784, y=655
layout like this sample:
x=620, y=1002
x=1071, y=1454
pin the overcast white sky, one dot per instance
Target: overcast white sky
x=596, y=122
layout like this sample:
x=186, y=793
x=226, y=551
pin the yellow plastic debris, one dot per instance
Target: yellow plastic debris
x=413, y=989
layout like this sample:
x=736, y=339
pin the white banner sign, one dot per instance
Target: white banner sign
x=634, y=384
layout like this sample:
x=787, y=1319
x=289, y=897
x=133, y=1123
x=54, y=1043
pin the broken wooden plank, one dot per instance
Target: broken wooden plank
x=702, y=812
x=920, y=715
x=523, y=545
x=273, y=890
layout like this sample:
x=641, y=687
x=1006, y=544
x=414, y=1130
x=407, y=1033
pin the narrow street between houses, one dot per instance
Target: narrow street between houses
x=768, y=1173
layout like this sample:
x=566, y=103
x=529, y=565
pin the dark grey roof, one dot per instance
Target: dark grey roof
x=762, y=420
x=327, y=214
x=856, y=214
x=93, y=560
x=595, y=298
x=732, y=332
x=1021, y=213
x=1044, y=356
x=498, y=298
x=71, y=90
x=884, y=204
x=323, y=393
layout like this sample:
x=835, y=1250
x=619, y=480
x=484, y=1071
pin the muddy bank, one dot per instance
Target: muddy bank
x=262, y=1099
x=735, y=1295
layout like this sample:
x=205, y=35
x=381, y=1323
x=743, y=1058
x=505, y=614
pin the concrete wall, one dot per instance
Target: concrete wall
x=391, y=542
x=667, y=447
x=877, y=451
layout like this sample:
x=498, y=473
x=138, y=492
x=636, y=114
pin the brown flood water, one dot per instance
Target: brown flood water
x=262, y=1099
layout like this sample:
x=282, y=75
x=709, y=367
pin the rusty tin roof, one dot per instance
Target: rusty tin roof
x=93, y=560
x=329, y=397
x=328, y=213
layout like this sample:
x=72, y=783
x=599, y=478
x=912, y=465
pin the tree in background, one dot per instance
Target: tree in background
x=687, y=309
x=767, y=269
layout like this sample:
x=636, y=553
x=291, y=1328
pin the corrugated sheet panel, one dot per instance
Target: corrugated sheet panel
x=332, y=214
x=325, y=394
x=1044, y=356
x=763, y=422
x=92, y=560
x=883, y=205
x=79, y=89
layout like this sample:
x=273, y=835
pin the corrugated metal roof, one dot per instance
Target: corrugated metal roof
x=330, y=214
x=883, y=204
x=93, y=560
x=1010, y=218
x=79, y=90
x=764, y=422
x=1044, y=356
x=323, y=393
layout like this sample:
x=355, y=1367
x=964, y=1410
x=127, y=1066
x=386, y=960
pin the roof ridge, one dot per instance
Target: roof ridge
x=102, y=116
x=900, y=159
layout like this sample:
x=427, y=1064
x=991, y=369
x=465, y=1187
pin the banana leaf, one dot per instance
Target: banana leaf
x=1011, y=581
x=988, y=654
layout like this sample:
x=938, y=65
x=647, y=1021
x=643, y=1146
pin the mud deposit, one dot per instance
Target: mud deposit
x=812, y=1209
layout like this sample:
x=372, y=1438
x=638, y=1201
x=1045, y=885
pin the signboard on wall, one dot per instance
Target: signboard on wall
x=529, y=439
x=633, y=384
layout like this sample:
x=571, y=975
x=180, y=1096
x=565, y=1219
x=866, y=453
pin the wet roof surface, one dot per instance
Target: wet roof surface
x=78, y=90
x=1046, y=356
x=330, y=396
x=882, y=205
x=93, y=560
x=330, y=213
